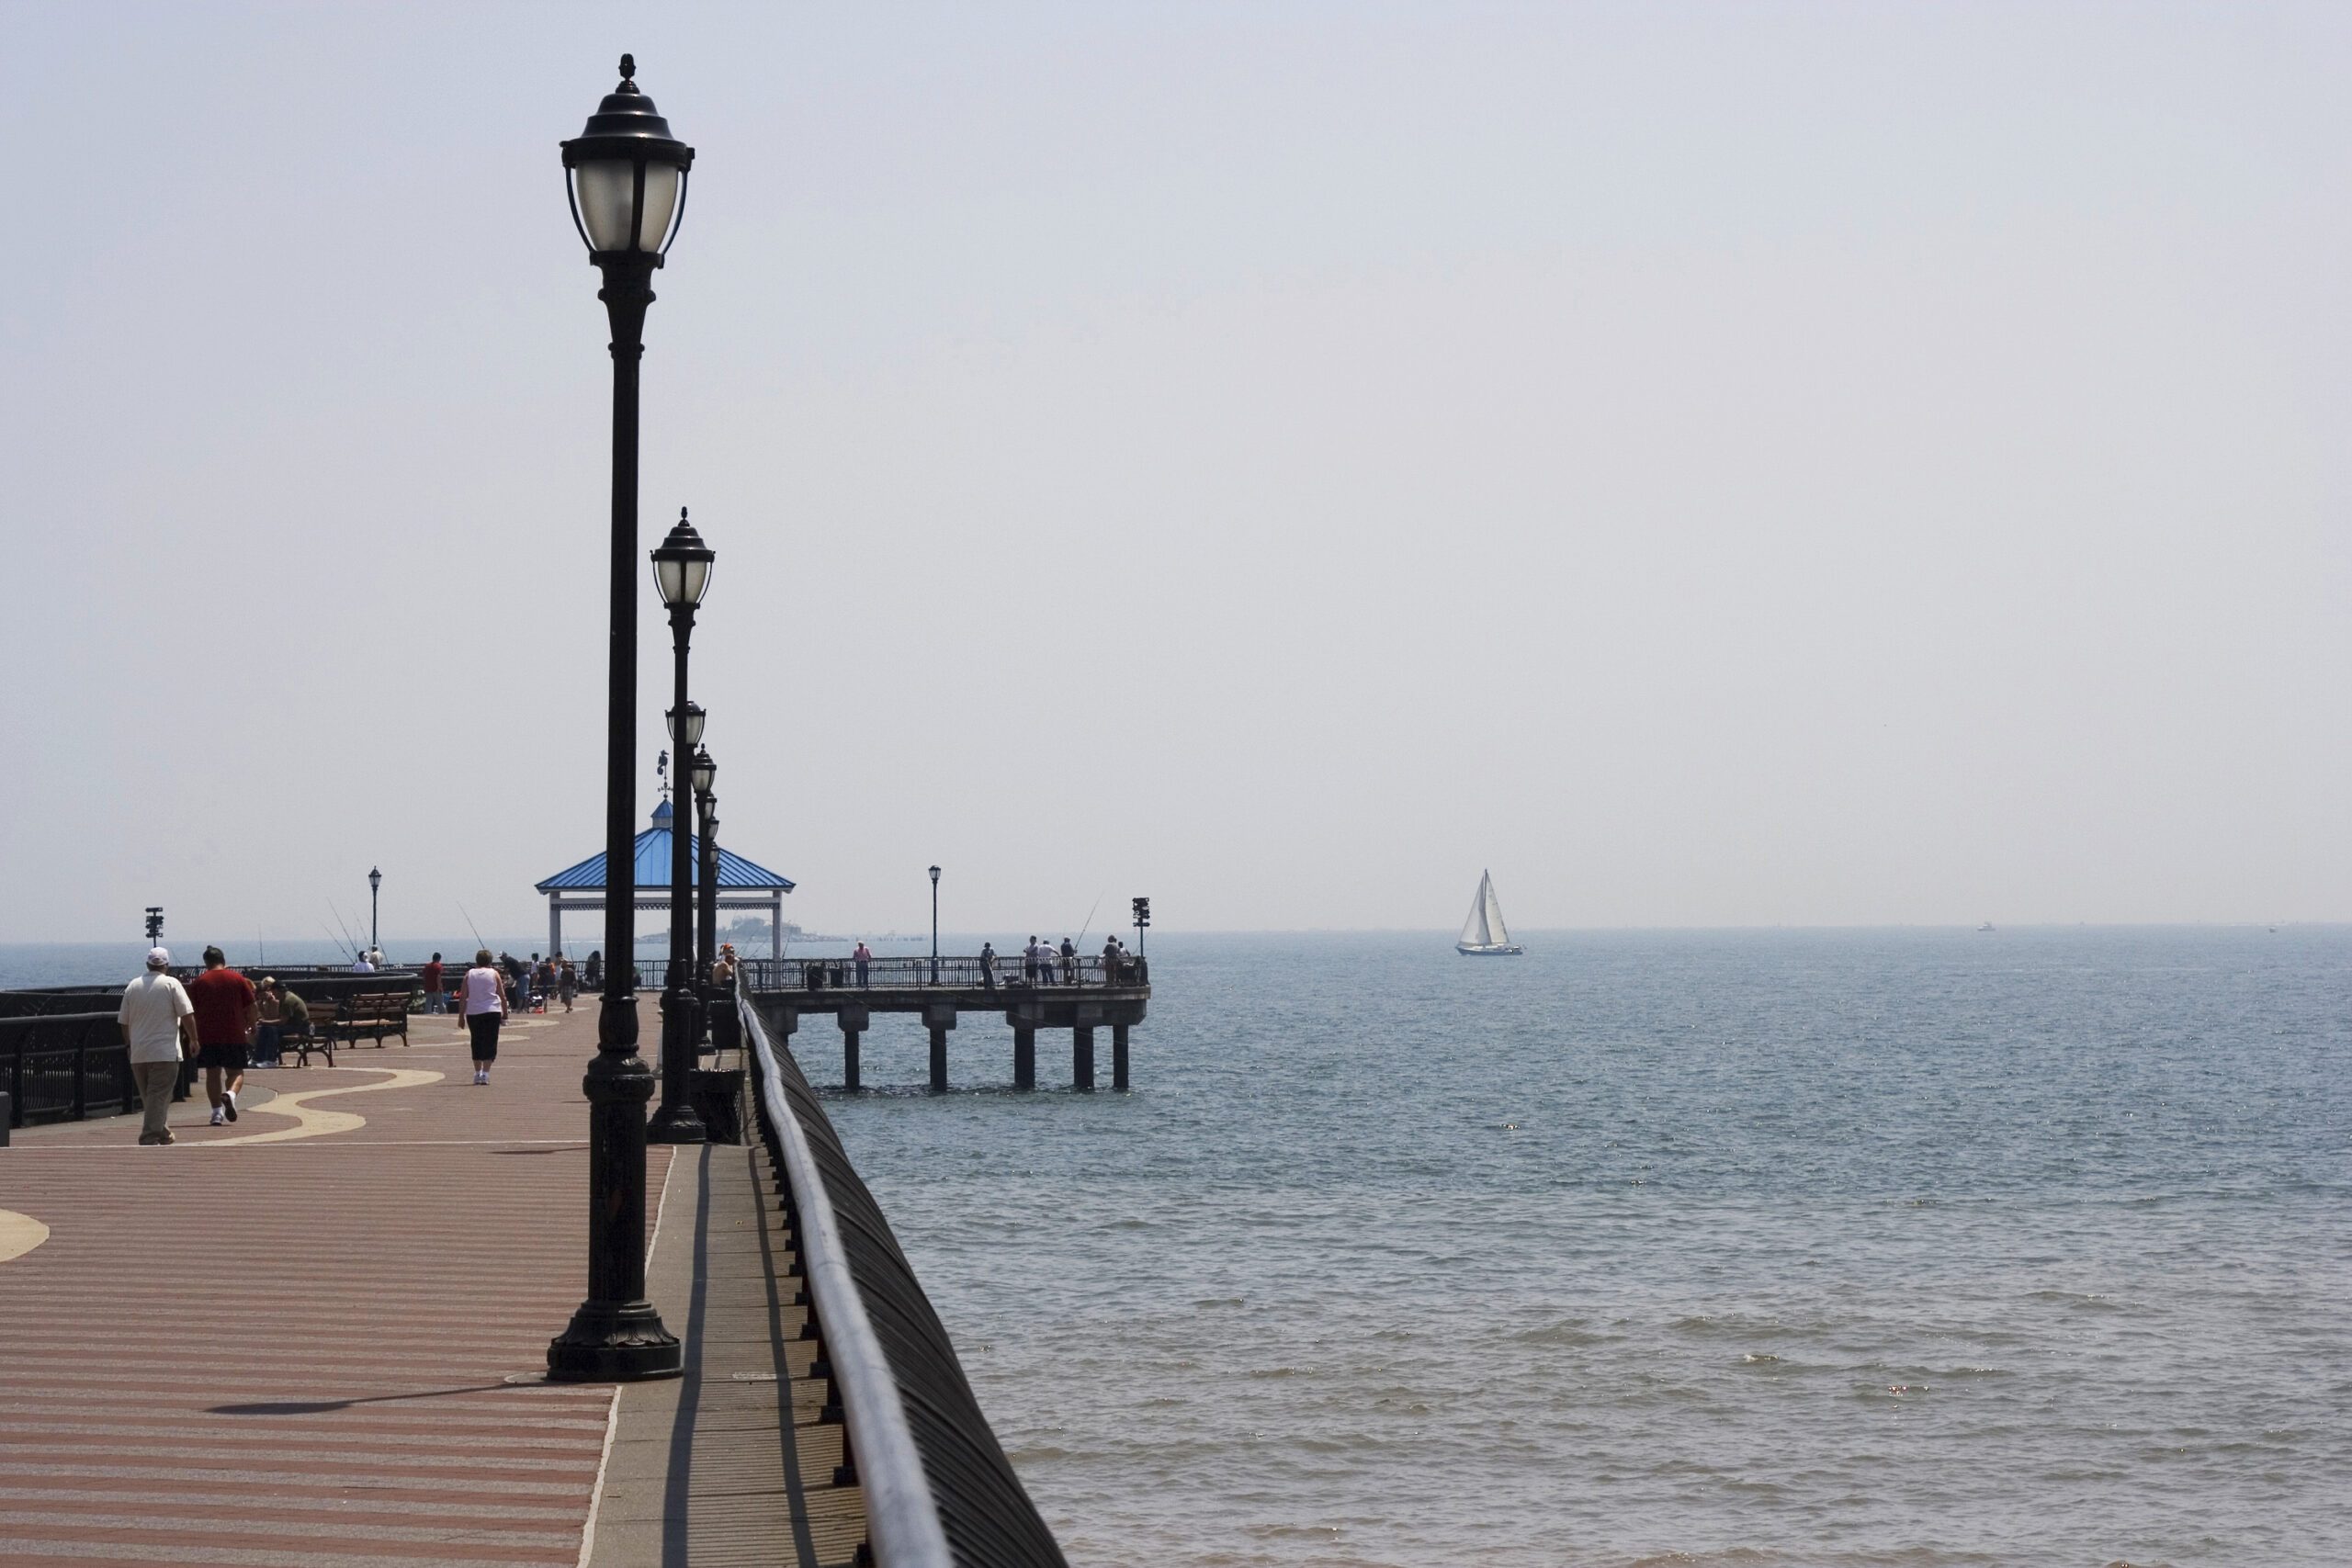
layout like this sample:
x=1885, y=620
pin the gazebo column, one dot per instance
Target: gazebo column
x=554, y=926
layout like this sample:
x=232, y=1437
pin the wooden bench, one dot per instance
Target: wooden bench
x=377, y=1014
x=318, y=1034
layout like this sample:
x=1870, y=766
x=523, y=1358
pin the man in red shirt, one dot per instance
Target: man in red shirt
x=429, y=978
x=227, y=1013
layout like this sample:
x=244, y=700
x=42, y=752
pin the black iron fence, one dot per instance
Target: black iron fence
x=60, y=999
x=65, y=1068
x=957, y=1483
x=962, y=973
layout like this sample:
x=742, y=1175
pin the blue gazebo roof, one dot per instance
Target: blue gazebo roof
x=654, y=865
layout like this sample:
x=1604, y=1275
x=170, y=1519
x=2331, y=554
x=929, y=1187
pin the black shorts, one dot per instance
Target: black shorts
x=484, y=1027
x=227, y=1058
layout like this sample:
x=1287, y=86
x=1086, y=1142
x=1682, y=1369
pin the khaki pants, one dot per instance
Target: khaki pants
x=156, y=1081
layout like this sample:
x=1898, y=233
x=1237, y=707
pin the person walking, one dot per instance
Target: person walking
x=865, y=955
x=567, y=983
x=436, y=998
x=227, y=1014
x=483, y=999
x=543, y=978
x=988, y=967
x=158, y=1027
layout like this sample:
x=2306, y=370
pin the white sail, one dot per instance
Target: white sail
x=1494, y=912
x=1475, y=932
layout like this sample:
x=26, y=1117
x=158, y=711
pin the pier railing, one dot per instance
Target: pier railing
x=938, y=1488
x=64, y=1068
x=962, y=973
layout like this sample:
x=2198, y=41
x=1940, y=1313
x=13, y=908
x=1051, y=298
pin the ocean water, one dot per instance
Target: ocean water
x=1912, y=1248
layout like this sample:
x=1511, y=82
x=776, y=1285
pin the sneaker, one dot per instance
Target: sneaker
x=229, y=1104
x=166, y=1137
x=217, y=1117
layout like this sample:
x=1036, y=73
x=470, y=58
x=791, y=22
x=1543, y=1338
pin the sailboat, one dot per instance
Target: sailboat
x=1484, y=934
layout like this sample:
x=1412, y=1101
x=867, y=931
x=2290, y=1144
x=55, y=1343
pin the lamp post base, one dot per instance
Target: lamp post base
x=676, y=1124
x=614, y=1342
x=675, y=1121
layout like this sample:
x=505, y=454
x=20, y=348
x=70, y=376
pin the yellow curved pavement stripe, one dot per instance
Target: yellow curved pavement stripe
x=19, y=1233
x=309, y=1123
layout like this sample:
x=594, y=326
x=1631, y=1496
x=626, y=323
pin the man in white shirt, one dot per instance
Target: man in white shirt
x=158, y=1024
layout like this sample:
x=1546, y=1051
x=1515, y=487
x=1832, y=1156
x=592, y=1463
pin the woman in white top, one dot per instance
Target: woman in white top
x=482, y=999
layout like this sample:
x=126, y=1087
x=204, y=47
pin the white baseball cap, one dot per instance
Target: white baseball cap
x=159, y=958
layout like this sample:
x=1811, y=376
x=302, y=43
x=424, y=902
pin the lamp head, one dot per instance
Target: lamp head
x=704, y=774
x=374, y=879
x=688, y=735
x=627, y=175
x=682, y=565
x=934, y=876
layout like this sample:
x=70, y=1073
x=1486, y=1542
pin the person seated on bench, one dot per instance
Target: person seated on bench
x=271, y=1029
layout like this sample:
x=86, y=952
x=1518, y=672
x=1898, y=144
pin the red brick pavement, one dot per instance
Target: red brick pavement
x=294, y=1352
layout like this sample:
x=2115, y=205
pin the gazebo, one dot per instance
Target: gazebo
x=742, y=883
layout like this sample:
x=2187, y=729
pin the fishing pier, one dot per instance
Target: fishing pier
x=1079, y=995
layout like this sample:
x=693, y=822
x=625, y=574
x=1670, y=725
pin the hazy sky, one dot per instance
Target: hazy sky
x=1711, y=465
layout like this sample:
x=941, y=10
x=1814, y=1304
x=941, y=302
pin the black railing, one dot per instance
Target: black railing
x=959, y=973
x=967, y=1484
x=65, y=1068
x=60, y=999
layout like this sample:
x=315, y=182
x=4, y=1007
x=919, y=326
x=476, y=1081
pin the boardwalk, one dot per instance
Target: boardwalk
x=290, y=1340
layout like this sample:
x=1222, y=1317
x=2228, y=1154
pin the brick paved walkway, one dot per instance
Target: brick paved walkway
x=290, y=1348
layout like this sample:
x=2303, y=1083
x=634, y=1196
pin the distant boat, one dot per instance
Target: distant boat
x=1484, y=935
x=1985, y=927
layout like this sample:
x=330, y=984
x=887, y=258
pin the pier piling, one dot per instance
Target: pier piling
x=854, y=1022
x=1082, y=1057
x=1024, y=1057
x=939, y=1018
x=1119, y=1057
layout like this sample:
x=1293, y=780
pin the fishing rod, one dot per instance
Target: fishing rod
x=333, y=938
x=480, y=945
x=349, y=941
x=1090, y=920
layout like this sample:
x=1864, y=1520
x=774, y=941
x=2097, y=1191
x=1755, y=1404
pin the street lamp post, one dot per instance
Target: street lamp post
x=934, y=925
x=375, y=881
x=625, y=179
x=682, y=570
x=703, y=772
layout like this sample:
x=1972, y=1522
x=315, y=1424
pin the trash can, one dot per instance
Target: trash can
x=717, y=1095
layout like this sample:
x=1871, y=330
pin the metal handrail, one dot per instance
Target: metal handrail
x=902, y=1521
x=959, y=973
